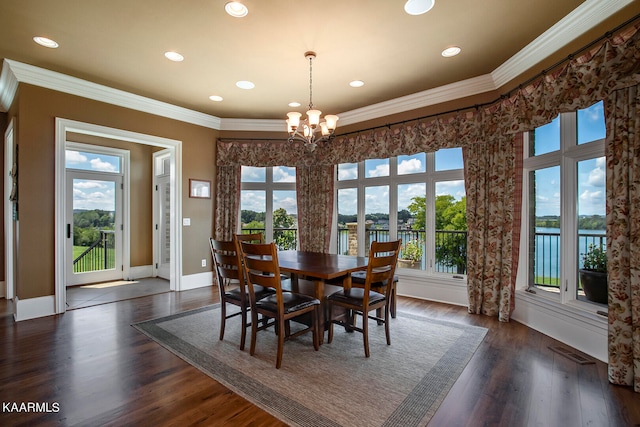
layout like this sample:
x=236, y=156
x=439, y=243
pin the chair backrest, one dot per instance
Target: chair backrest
x=249, y=237
x=381, y=266
x=226, y=261
x=261, y=267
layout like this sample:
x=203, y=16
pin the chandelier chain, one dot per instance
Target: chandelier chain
x=311, y=82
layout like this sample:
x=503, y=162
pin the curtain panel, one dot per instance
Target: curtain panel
x=493, y=182
x=623, y=235
x=314, y=188
x=227, y=201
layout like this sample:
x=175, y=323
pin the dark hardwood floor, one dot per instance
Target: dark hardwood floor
x=98, y=370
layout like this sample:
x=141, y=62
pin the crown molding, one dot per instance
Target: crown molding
x=584, y=17
x=422, y=99
x=577, y=22
x=264, y=125
x=25, y=73
x=8, y=87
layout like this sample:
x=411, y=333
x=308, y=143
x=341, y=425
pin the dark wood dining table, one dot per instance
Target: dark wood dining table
x=320, y=269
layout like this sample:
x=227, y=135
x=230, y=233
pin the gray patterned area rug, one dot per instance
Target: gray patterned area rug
x=399, y=385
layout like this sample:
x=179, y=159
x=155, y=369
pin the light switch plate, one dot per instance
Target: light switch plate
x=186, y=222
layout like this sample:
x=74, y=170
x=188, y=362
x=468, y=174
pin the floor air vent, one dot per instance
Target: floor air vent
x=570, y=354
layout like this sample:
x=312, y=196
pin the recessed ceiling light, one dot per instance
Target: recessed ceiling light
x=216, y=98
x=418, y=7
x=236, y=9
x=356, y=83
x=451, y=51
x=43, y=41
x=244, y=84
x=174, y=56
x=294, y=104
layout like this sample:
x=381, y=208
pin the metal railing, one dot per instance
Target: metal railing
x=546, y=255
x=100, y=255
x=451, y=246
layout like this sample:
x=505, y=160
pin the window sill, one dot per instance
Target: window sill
x=576, y=309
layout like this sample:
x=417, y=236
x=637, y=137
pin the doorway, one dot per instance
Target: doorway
x=162, y=214
x=174, y=151
x=94, y=212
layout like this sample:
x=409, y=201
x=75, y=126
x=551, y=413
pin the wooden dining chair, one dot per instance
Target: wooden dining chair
x=232, y=284
x=381, y=268
x=358, y=279
x=262, y=269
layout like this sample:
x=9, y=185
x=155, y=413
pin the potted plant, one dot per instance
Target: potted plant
x=411, y=254
x=593, y=274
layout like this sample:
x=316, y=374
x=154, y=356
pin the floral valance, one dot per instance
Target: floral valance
x=579, y=82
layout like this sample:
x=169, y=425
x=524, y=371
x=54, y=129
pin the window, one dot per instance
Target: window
x=565, y=196
x=268, y=204
x=417, y=198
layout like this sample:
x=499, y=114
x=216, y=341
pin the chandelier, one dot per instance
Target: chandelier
x=305, y=130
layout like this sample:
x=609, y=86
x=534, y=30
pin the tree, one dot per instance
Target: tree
x=418, y=209
x=285, y=239
x=451, y=218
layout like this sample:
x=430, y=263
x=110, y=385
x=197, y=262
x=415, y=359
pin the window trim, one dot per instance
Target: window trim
x=567, y=158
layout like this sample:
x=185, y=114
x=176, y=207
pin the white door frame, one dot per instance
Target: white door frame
x=156, y=231
x=63, y=126
x=9, y=256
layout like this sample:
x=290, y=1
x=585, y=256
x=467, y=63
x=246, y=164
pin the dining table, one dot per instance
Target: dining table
x=323, y=270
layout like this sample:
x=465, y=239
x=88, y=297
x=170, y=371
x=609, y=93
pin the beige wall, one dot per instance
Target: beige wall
x=36, y=111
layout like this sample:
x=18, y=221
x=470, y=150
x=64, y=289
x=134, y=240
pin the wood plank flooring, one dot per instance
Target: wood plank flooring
x=101, y=371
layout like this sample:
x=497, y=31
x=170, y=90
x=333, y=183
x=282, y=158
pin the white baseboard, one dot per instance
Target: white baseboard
x=31, y=308
x=199, y=280
x=140, y=272
x=446, y=290
x=583, y=330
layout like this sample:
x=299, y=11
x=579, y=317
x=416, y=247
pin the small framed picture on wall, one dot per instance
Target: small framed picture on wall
x=199, y=189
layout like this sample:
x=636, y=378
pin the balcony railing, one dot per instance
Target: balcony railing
x=451, y=246
x=546, y=255
x=99, y=256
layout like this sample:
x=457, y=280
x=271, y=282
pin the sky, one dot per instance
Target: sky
x=591, y=173
x=93, y=194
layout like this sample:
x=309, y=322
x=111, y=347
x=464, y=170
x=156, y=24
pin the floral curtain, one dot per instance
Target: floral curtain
x=314, y=187
x=623, y=235
x=494, y=194
x=227, y=201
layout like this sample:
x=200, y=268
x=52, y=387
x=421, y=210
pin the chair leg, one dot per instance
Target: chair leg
x=365, y=332
x=316, y=326
x=243, y=332
x=330, y=324
x=223, y=319
x=393, y=301
x=386, y=323
x=281, y=336
x=254, y=331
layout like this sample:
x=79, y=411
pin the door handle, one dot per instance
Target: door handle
x=68, y=231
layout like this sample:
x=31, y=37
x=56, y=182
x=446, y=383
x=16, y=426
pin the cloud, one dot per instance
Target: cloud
x=597, y=177
x=409, y=166
x=284, y=174
x=74, y=157
x=379, y=170
x=99, y=165
x=347, y=171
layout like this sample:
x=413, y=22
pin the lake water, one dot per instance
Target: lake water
x=548, y=249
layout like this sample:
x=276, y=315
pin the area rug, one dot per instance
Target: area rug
x=399, y=385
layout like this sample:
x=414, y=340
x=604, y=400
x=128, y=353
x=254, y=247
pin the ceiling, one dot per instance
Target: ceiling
x=121, y=44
